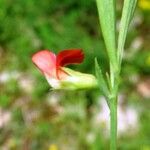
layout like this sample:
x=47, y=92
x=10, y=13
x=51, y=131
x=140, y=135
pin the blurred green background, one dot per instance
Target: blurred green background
x=32, y=117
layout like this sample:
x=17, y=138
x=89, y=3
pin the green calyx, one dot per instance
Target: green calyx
x=77, y=80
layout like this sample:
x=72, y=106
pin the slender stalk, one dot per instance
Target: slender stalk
x=113, y=124
x=113, y=106
x=107, y=13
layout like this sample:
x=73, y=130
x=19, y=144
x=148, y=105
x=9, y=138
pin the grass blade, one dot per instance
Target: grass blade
x=106, y=10
x=127, y=14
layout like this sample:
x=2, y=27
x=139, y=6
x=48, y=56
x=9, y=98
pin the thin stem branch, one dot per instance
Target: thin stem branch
x=113, y=106
x=113, y=124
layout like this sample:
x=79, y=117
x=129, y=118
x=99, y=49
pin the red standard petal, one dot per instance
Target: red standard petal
x=66, y=57
x=45, y=61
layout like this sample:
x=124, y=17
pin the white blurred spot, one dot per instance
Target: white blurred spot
x=5, y=117
x=127, y=118
x=26, y=82
x=137, y=43
x=7, y=75
x=143, y=88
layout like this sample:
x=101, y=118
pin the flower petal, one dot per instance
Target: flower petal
x=66, y=57
x=46, y=62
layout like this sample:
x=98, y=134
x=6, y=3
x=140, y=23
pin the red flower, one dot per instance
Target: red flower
x=52, y=65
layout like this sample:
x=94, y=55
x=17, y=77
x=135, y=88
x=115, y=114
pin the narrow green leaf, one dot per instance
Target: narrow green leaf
x=106, y=10
x=101, y=80
x=127, y=14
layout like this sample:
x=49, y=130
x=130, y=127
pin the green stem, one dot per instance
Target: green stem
x=113, y=123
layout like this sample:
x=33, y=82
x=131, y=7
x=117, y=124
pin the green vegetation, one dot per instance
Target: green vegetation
x=33, y=117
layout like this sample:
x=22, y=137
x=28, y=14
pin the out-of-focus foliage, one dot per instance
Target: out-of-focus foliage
x=29, y=25
x=34, y=117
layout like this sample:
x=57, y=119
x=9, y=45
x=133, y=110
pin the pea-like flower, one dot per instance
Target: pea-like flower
x=57, y=75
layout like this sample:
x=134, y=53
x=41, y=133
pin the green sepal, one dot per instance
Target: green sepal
x=78, y=80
